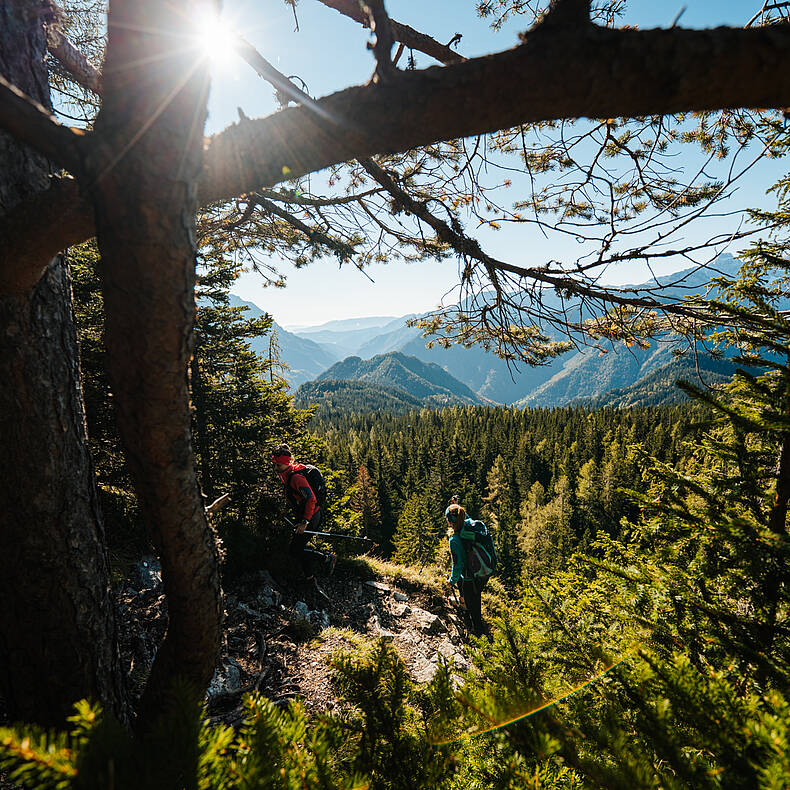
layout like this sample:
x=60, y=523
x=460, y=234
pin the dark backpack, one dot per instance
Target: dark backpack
x=314, y=479
x=481, y=559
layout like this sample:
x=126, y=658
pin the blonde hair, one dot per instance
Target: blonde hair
x=459, y=517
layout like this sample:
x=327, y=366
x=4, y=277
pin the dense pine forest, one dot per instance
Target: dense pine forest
x=547, y=480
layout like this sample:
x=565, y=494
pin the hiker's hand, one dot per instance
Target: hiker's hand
x=301, y=527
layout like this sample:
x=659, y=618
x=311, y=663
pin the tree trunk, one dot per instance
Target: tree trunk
x=57, y=630
x=145, y=198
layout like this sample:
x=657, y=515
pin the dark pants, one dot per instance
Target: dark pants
x=471, y=589
x=299, y=550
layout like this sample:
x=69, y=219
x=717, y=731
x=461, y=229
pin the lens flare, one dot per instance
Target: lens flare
x=519, y=717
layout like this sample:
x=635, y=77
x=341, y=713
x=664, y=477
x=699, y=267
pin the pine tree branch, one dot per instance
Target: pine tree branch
x=319, y=202
x=380, y=24
x=404, y=34
x=567, y=13
x=316, y=236
x=33, y=125
x=611, y=73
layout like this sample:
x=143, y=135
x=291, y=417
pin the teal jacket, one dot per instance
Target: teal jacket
x=458, y=553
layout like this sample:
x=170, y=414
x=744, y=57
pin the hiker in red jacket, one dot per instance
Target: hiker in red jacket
x=307, y=511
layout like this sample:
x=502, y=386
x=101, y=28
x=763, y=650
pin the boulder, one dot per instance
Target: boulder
x=399, y=596
x=429, y=623
x=378, y=586
x=400, y=609
x=318, y=618
x=446, y=649
x=227, y=678
x=248, y=611
x=300, y=610
x=268, y=597
x=423, y=671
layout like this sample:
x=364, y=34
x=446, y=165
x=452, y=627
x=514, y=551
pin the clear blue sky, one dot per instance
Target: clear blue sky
x=329, y=54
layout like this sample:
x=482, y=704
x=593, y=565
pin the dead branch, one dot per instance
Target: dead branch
x=404, y=34
x=380, y=24
x=32, y=124
x=76, y=64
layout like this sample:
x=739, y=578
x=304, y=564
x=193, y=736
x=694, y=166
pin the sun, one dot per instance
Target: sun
x=215, y=38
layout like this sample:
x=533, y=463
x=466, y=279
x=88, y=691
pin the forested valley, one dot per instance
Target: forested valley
x=157, y=628
x=638, y=609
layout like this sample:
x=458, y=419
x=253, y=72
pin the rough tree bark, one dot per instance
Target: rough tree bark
x=57, y=631
x=144, y=190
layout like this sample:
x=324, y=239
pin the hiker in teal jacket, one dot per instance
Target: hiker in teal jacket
x=470, y=587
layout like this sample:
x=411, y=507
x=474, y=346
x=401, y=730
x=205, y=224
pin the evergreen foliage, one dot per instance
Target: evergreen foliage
x=418, y=533
x=237, y=401
x=494, y=458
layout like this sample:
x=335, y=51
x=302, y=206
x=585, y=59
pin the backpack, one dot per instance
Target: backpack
x=481, y=559
x=314, y=479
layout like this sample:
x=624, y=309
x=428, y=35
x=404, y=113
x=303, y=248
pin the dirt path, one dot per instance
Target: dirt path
x=279, y=637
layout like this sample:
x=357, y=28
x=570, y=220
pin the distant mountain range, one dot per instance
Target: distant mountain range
x=305, y=358
x=360, y=350
x=659, y=388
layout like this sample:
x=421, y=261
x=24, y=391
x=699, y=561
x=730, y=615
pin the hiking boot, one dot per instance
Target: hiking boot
x=331, y=561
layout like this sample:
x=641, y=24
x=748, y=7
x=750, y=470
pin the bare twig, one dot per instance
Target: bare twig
x=75, y=63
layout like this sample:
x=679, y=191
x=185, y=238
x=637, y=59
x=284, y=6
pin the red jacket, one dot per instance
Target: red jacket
x=299, y=492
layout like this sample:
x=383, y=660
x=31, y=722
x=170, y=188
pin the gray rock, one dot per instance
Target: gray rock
x=446, y=649
x=227, y=678
x=248, y=611
x=399, y=596
x=424, y=671
x=319, y=618
x=268, y=597
x=429, y=623
x=378, y=586
x=264, y=601
x=460, y=661
x=400, y=609
x=300, y=610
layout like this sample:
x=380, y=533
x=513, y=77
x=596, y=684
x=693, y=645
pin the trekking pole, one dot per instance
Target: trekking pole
x=330, y=534
x=460, y=610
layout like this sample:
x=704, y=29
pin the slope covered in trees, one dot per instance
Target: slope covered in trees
x=336, y=397
x=417, y=378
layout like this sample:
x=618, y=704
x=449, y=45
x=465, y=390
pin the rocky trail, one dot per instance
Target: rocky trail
x=279, y=636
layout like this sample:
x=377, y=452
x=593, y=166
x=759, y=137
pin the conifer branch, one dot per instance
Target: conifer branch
x=382, y=47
